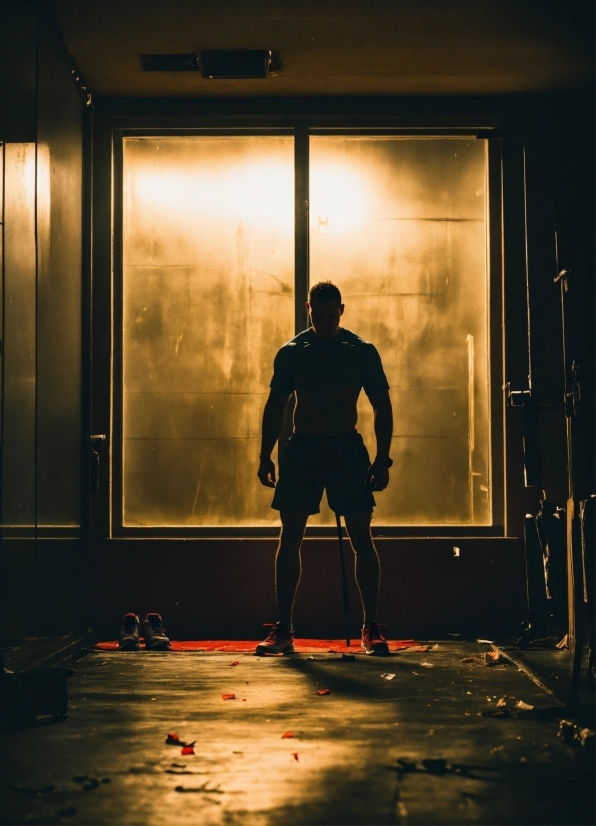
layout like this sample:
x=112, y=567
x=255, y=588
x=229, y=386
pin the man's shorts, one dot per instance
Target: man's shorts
x=311, y=464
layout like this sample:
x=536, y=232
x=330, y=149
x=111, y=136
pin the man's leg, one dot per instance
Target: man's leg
x=367, y=563
x=288, y=564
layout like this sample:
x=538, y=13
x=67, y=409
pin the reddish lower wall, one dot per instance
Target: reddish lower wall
x=225, y=588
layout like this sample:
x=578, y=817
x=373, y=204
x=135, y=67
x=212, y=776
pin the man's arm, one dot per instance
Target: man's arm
x=378, y=471
x=273, y=418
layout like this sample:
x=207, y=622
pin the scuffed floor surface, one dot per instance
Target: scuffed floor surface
x=425, y=747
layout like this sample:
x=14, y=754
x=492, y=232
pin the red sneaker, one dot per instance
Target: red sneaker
x=373, y=640
x=278, y=641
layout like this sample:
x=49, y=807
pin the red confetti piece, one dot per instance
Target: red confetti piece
x=323, y=691
x=228, y=696
x=187, y=750
x=236, y=662
x=295, y=755
x=287, y=734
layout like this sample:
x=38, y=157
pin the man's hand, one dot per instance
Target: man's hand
x=377, y=477
x=266, y=473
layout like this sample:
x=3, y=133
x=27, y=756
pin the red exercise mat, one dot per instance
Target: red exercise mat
x=303, y=646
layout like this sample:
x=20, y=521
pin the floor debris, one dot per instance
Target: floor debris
x=387, y=676
x=202, y=789
x=228, y=696
x=491, y=657
x=577, y=735
x=322, y=691
x=468, y=659
x=426, y=664
x=295, y=755
x=187, y=750
x=173, y=739
x=236, y=662
x=287, y=734
x=521, y=706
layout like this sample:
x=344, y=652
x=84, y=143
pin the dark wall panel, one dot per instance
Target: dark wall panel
x=19, y=346
x=59, y=232
x=17, y=72
x=225, y=589
x=44, y=592
x=42, y=581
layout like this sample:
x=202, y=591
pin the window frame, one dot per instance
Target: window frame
x=301, y=131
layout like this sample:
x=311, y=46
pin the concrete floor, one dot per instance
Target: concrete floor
x=422, y=748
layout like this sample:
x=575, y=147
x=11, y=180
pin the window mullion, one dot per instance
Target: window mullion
x=301, y=196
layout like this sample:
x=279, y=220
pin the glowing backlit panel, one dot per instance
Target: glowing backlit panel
x=208, y=299
x=400, y=226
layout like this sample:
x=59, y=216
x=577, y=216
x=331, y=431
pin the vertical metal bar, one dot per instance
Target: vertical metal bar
x=528, y=328
x=471, y=425
x=344, y=582
x=37, y=268
x=495, y=312
x=86, y=362
x=113, y=452
x=301, y=199
x=1, y=326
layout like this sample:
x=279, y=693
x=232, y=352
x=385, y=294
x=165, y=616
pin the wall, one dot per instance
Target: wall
x=42, y=560
x=223, y=588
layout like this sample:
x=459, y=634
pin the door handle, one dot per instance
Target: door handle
x=96, y=441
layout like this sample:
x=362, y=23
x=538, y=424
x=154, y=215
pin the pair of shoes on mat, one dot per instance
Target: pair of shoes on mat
x=280, y=640
x=152, y=632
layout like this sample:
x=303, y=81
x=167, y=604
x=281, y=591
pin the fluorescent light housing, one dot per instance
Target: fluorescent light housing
x=236, y=63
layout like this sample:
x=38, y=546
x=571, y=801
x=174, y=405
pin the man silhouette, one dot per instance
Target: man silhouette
x=326, y=366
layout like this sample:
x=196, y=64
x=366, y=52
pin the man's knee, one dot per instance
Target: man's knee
x=292, y=531
x=358, y=527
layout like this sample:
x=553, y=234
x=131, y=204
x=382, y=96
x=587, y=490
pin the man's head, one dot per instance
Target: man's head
x=325, y=309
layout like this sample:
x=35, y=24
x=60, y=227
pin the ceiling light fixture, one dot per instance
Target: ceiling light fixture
x=238, y=63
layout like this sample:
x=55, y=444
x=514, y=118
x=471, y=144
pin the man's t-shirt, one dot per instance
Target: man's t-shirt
x=312, y=364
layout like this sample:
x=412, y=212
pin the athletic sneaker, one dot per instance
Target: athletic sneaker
x=154, y=633
x=373, y=640
x=278, y=641
x=129, y=636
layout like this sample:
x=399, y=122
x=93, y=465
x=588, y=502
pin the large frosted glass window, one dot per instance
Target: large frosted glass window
x=208, y=292
x=400, y=225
